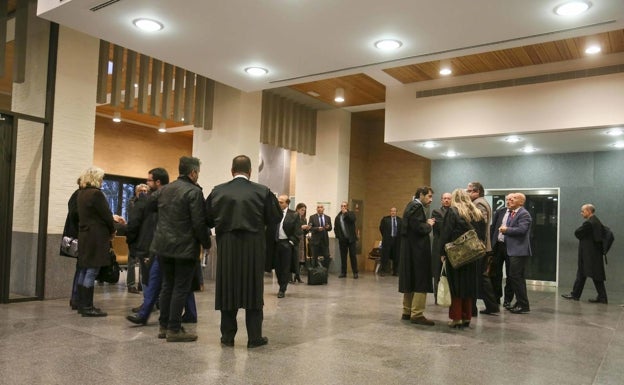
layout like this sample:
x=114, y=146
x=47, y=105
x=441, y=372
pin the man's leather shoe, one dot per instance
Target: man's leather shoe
x=135, y=319
x=133, y=290
x=280, y=294
x=422, y=321
x=355, y=276
x=570, y=296
x=507, y=305
x=256, y=343
x=405, y=317
x=225, y=342
x=519, y=310
x=598, y=300
x=342, y=276
x=489, y=312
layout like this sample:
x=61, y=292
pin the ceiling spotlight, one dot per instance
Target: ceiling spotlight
x=572, y=8
x=339, y=98
x=162, y=127
x=429, y=144
x=593, y=49
x=618, y=145
x=117, y=117
x=148, y=25
x=528, y=149
x=614, y=131
x=513, y=139
x=451, y=154
x=388, y=44
x=256, y=71
x=445, y=71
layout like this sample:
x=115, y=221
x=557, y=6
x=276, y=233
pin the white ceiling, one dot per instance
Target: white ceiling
x=305, y=40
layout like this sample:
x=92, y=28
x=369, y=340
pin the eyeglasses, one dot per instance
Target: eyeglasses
x=150, y=180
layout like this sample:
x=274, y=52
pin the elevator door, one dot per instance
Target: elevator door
x=543, y=205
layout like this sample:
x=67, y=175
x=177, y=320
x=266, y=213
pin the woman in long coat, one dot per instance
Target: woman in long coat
x=461, y=217
x=96, y=229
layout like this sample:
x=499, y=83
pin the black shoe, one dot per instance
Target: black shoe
x=256, y=343
x=519, y=310
x=355, y=276
x=135, y=319
x=92, y=312
x=342, y=276
x=405, y=317
x=225, y=342
x=598, y=300
x=133, y=290
x=281, y=294
x=489, y=312
x=570, y=296
x=507, y=305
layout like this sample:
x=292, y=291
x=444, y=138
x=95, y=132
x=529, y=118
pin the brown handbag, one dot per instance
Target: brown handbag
x=465, y=249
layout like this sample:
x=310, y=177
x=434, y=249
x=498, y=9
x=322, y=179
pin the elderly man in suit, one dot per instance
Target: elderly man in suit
x=389, y=228
x=590, y=261
x=344, y=228
x=515, y=229
x=287, y=239
x=242, y=213
x=320, y=224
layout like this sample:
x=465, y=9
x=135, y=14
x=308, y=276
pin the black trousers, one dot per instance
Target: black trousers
x=347, y=246
x=500, y=259
x=177, y=277
x=579, y=284
x=517, y=280
x=253, y=321
x=283, y=259
x=390, y=252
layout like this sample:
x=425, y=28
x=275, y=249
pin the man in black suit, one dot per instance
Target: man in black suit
x=436, y=248
x=590, y=261
x=287, y=238
x=320, y=225
x=390, y=244
x=242, y=212
x=347, y=239
x=500, y=255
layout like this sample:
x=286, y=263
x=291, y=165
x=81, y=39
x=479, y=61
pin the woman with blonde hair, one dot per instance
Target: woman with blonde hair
x=462, y=216
x=96, y=229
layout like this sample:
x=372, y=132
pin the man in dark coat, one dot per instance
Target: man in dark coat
x=320, y=226
x=242, y=212
x=436, y=262
x=415, y=264
x=287, y=236
x=389, y=227
x=344, y=228
x=589, y=256
x=180, y=232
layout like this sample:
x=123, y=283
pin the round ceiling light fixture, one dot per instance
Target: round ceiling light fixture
x=148, y=25
x=618, y=145
x=256, y=71
x=528, y=149
x=572, y=8
x=445, y=71
x=451, y=153
x=388, y=44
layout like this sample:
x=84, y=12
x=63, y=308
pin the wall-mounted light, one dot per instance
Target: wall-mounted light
x=116, y=117
x=162, y=127
x=339, y=98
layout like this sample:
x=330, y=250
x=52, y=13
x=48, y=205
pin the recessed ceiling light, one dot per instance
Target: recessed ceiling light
x=256, y=71
x=593, y=49
x=315, y=94
x=429, y=144
x=388, y=44
x=445, y=71
x=451, y=154
x=528, y=149
x=572, y=8
x=513, y=139
x=614, y=131
x=618, y=145
x=148, y=25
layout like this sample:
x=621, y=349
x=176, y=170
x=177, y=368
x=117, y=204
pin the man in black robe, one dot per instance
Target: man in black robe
x=242, y=212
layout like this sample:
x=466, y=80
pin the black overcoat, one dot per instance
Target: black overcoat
x=96, y=228
x=590, y=248
x=415, y=262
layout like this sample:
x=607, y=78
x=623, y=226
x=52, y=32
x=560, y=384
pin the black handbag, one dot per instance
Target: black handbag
x=110, y=273
x=317, y=273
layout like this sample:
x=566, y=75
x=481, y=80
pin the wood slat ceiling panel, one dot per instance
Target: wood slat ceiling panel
x=535, y=54
x=359, y=89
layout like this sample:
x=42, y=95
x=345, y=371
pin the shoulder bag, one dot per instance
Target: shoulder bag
x=69, y=247
x=465, y=249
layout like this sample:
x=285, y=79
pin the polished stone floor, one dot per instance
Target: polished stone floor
x=347, y=332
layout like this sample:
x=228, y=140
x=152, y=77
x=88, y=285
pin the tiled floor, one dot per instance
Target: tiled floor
x=347, y=332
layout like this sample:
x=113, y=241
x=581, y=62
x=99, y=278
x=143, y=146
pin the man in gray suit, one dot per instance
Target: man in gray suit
x=320, y=224
x=242, y=213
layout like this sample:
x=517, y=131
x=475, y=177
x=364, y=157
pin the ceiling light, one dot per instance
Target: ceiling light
x=513, y=139
x=117, y=117
x=339, y=98
x=528, y=149
x=388, y=44
x=256, y=71
x=445, y=71
x=162, y=127
x=614, y=131
x=451, y=154
x=315, y=94
x=593, y=49
x=148, y=25
x=429, y=144
x=572, y=8
x=618, y=145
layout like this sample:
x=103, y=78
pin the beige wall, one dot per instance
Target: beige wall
x=382, y=176
x=131, y=150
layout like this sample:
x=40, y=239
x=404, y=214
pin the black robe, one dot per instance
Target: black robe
x=415, y=261
x=590, y=248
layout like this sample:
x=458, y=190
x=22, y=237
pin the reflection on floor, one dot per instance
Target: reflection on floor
x=348, y=332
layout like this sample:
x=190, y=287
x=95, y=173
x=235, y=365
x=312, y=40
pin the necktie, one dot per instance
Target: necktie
x=393, y=227
x=510, y=217
x=321, y=221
